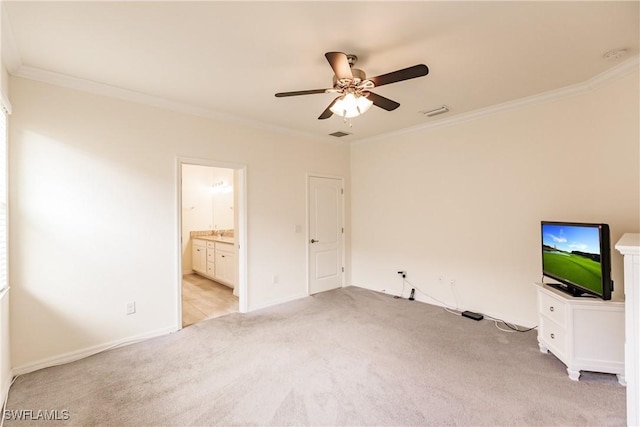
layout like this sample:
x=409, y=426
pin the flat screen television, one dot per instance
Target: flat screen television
x=578, y=256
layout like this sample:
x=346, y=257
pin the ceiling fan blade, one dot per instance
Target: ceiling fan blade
x=400, y=75
x=327, y=113
x=382, y=102
x=340, y=64
x=300, y=92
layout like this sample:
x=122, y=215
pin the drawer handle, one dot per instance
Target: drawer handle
x=551, y=308
x=553, y=336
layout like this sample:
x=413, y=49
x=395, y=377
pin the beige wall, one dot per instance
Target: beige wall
x=4, y=78
x=94, y=208
x=5, y=342
x=94, y=215
x=465, y=202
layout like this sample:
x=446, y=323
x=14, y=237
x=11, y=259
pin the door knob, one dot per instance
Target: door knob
x=314, y=241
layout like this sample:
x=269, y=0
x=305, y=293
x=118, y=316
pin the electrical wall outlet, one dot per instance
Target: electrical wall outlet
x=452, y=282
x=131, y=307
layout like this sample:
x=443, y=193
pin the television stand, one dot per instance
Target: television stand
x=567, y=290
x=585, y=334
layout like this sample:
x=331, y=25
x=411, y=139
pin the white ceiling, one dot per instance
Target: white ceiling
x=232, y=57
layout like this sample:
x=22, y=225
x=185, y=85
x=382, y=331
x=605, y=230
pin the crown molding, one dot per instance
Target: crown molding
x=614, y=73
x=58, y=79
x=629, y=66
x=83, y=85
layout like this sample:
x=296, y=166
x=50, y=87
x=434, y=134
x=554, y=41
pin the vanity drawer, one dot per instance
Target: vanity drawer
x=224, y=247
x=211, y=269
x=553, y=308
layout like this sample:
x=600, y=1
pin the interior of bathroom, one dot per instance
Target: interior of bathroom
x=209, y=256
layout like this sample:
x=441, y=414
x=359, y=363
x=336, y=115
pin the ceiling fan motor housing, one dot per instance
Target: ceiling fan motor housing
x=358, y=76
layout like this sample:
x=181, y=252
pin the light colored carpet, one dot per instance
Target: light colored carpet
x=345, y=357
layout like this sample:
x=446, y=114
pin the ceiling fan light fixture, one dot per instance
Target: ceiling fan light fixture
x=351, y=105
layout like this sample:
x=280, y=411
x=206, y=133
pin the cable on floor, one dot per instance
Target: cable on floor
x=449, y=309
x=512, y=327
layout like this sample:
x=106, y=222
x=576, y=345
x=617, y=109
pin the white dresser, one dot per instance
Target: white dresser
x=586, y=334
x=629, y=246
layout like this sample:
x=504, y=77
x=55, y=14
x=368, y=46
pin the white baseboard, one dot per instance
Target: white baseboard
x=419, y=297
x=88, y=351
x=276, y=302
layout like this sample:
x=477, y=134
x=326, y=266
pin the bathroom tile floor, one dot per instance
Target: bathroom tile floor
x=203, y=299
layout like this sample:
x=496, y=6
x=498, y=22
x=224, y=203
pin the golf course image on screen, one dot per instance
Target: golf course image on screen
x=572, y=254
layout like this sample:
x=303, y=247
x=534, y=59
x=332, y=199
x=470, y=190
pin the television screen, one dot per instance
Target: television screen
x=578, y=256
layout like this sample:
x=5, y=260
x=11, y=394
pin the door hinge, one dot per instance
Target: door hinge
x=342, y=191
x=343, y=269
x=342, y=230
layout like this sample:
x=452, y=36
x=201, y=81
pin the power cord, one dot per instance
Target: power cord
x=449, y=309
x=444, y=304
x=512, y=327
x=397, y=296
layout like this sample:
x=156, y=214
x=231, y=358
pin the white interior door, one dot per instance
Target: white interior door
x=325, y=234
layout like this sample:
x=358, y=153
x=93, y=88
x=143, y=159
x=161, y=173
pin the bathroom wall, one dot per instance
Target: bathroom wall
x=206, y=203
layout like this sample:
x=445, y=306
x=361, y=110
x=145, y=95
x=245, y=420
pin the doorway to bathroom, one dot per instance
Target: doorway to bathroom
x=212, y=218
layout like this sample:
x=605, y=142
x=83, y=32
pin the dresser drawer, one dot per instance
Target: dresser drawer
x=553, y=308
x=554, y=336
x=586, y=334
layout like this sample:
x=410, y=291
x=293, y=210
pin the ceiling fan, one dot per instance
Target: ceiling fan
x=355, y=89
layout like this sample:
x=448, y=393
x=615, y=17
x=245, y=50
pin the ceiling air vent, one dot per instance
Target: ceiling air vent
x=339, y=134
x=437, y=111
